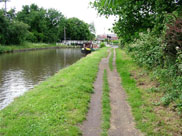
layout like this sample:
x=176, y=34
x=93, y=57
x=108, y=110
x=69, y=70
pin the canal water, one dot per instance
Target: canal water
x=20, y=72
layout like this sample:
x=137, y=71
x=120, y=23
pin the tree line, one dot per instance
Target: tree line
x=35, y=24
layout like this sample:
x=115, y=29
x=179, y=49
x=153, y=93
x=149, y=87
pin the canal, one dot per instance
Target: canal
x=20, y=72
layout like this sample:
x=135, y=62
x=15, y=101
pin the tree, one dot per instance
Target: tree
x=92, y=30
x=3, y=27
x=45, y=25
x=11, y=14
x=18, y=32
x=40, y=25
x=54, y=19
x=77, y=29
x=35, y=18
x=136, y=16
x=11, y=31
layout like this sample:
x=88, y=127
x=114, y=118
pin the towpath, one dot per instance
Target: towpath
x=121, y=121
x=92, y=125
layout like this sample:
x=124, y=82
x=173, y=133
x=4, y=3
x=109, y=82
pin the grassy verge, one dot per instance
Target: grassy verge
x=11, y=48
x=140, y=100
x=57, y=105
x=106, y=109
x=111, y=60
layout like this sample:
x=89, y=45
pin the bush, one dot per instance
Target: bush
x=18, y=32
x=11, y=31
x=173, y=38
x=115, y=42
x=147, y=50
x=102, y=44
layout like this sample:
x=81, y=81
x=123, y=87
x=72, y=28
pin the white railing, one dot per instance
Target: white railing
x=78, y=42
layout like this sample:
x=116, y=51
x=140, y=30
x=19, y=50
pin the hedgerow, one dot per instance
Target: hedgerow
x=163, y=56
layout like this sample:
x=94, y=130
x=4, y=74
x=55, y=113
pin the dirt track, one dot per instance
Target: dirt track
x=92, y=126
x=121, y=121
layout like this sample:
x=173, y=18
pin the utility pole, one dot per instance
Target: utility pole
x=5, y=6
x=5, y=3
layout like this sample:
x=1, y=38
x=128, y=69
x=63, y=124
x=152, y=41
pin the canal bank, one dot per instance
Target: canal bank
x=57, y=105
x=32, y=47
x=20, y=72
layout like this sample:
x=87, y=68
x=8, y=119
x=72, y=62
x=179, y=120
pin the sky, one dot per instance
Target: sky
x=69, y=8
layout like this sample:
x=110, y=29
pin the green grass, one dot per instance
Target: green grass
x=106, y=108
x=146, y=120
x=56, y=106
x=11, y=48
x=111, y=60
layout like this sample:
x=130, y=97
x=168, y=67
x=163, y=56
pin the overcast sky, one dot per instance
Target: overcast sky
x=70, y=8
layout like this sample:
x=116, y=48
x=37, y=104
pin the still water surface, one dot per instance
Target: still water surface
x=20, y=72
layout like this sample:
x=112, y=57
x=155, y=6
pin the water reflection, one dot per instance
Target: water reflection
x=20, y=72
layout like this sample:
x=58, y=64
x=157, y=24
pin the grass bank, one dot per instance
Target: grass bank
x=28, y=46
x=56, y=106
x=106, y=108
x=151, y=117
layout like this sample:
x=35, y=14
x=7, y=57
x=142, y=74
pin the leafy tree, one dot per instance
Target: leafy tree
x=35, y=18
x=18, y=32
x=11, y=32
x=45, y=25
x=136, y=16
x=40, y=25
x=54, y=19
x=62, y=26
x=92, y=30
x=3, y=27
x=77, y=29
x=11, y=14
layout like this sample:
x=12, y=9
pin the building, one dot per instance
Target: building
x=106, y=36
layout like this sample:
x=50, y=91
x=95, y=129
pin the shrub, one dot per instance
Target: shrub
x=147, y=50
x=115, y=42
x=173, y=38
x=17, y=32
x=102, y=45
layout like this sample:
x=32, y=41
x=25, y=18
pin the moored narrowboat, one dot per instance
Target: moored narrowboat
x=87, y=48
